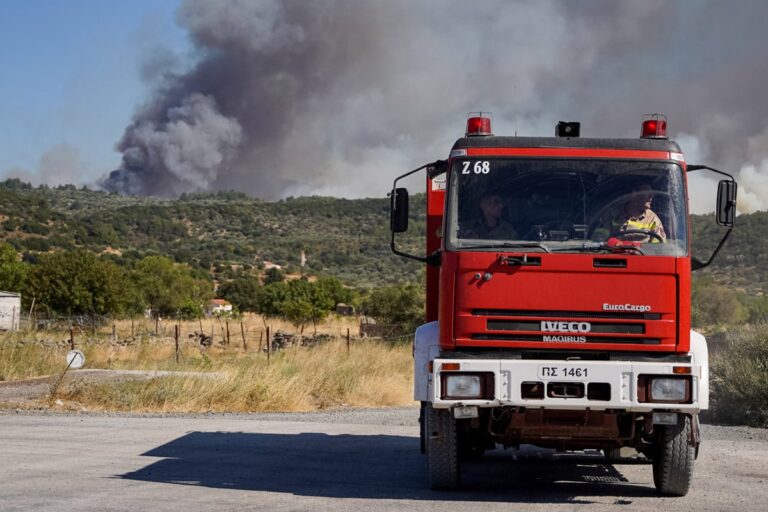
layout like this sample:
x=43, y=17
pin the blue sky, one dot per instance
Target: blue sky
x=70, y=75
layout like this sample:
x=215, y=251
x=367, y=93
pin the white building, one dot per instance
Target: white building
x=219, y=307
x=10, y=311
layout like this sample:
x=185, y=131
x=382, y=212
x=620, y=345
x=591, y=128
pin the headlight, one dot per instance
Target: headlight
x=668, y=390
x=463, y=386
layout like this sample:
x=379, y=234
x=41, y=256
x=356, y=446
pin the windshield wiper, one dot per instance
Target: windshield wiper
x=601, y=247
x=509, y=245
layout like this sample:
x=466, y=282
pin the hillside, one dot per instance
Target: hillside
x=348, y=239
x=743, y=261
x=345, y=238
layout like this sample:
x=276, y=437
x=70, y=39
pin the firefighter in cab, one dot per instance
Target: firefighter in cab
x=634, y=220
x=489, y=223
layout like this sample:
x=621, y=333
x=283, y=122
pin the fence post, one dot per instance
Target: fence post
x=157, y=326
x=114, y=333
x=71, y=337
x=261, y=338
x=176, y=337
x=242, y=332
x=32, y=323
x=133, y=333
x=226, y=323
x=223, y=334
x=269, y=345
x=347, y=340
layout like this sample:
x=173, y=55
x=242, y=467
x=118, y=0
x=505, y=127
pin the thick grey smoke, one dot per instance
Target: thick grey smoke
x=181, y=151
x=338, y=96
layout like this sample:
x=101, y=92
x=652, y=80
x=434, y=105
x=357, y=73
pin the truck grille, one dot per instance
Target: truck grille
x=600, y=328
x=540, y=338
x=573, y=328
x=615, y=315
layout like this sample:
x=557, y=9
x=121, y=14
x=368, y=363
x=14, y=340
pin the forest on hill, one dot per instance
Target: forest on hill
x=217, y=232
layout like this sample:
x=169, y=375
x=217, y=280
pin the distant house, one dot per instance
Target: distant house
x=10, y=311
x=219, y=307
x=268, y=265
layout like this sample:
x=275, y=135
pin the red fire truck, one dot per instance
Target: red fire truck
x=558, y=299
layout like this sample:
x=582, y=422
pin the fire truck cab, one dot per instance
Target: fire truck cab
x=558, y=299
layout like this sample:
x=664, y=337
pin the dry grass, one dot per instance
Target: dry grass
x=20, y=361
x=371, y=374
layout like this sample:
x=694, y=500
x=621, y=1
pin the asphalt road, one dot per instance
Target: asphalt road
x=355, y=460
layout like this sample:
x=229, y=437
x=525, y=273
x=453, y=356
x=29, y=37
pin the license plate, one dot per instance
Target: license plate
x=563, y=372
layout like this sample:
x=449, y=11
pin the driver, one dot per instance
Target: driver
x=490, y=224
x=636, y=215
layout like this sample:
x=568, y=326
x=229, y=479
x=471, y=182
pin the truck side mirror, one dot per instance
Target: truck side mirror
x=726, y=203
x=398, y=211
x=725, y=213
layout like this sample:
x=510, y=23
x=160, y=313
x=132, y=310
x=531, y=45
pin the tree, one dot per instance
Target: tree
x=299, y=301
x=274, y=275
x=332, y=288
x=242, y=292
x=269, y=300
x=166, y=287
x=402, y=304
x=191, y=310
x=79, y=282
x=305, y=302
x=12, y=271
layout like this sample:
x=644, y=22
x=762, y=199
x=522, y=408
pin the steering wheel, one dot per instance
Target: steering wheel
x=620, y=234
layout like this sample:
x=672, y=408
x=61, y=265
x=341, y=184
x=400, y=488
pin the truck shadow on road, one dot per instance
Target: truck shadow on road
x=377, y=467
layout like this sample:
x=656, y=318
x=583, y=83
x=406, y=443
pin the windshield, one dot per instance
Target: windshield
x=554, y=205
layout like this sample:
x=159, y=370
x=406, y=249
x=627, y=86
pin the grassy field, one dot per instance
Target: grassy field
x=227, y=376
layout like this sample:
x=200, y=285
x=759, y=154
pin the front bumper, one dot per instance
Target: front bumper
x=622, y=377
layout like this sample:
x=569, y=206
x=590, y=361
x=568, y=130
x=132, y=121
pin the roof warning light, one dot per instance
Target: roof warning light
x=478, y=123
x=654, y=126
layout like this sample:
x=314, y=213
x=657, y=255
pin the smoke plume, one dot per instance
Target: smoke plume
x=182, y=151
x=59, y=165
x=339, y=96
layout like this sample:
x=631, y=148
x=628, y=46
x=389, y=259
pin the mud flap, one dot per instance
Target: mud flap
x=426, y=345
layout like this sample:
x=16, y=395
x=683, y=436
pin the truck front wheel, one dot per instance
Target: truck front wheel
x=442, y=449
x=673, y=458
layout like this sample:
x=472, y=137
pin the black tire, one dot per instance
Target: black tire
x=442, y=449
x=673, y=460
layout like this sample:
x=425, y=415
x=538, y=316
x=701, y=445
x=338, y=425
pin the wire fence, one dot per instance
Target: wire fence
x=246, y=333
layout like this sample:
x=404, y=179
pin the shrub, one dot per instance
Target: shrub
x=243, y=292
x=402, y=305
x=739, y=379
